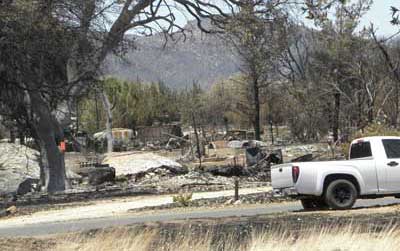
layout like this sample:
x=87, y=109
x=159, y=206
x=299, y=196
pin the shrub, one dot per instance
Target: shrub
x=182, y=199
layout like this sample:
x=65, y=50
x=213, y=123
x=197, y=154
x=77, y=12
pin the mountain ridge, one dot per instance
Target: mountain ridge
x=201, y=57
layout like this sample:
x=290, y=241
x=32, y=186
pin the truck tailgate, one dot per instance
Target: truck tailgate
x=281, y=176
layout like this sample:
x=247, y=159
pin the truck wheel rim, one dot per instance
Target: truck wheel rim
x=342, y=194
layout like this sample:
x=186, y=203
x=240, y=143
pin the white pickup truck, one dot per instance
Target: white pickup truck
x=373, y=171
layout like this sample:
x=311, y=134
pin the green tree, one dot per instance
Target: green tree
x=132, y=104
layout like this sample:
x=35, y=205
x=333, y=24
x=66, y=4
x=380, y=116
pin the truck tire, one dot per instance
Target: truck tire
x=310, y=204
x=340, y=194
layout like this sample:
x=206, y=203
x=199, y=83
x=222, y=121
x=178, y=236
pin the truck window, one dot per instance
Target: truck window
x=360, y=150
x=392, y=148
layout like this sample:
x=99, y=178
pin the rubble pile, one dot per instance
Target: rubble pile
x=196, y=180
x=318, y=152
x=17, y=164
x=139, y=164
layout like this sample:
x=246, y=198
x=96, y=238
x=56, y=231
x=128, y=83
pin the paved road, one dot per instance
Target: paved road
x=96, y=223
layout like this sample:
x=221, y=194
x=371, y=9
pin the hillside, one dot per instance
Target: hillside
x=202, y=58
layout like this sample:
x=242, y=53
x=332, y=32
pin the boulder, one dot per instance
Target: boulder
x=8, y=211
x=97, y=174
x=11, y=210
x=28, y=185
x=100, y=175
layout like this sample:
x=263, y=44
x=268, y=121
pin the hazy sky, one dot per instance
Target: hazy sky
x=380, y=15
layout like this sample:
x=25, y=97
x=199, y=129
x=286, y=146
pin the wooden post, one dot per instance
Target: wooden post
x=271, y=129
x=236, y=189
x=199, y=154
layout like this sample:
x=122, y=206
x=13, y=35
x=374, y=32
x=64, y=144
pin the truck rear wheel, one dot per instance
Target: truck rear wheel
x=313, y=204
x=340, y=194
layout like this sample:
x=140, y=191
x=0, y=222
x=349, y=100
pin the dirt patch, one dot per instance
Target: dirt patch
x=23, y=244
x=28, y=210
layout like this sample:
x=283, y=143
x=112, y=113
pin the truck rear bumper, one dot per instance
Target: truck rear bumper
x=288, y=191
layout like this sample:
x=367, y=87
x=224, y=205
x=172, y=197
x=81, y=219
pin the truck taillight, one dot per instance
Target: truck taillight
x=295, y=173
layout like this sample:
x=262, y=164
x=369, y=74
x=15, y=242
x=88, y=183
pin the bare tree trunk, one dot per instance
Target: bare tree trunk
x=203, y=132
x=270, y=121
x=271, y=130
x=370, y=111
x=359, y=111
x=49, y=133
x=394, y=70
x=336, y=117
x=21, y=137
x=226, y=124
x=256, y=119
x=107, y=108
x=197, y=139
x=44, y=166
x=396, y=115
x=12, y=135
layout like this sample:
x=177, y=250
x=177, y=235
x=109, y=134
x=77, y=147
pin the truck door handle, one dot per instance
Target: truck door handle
x=392, y=163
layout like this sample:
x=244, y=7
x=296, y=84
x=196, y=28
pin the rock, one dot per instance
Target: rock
x=131, y=163
x=98, y=175
x=227, y=171
x=229, y=202
x=28, y=185
x=238, y=202
x=17, y=163
x=11, y=210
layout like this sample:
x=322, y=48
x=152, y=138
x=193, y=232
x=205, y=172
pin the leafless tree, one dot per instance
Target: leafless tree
x=255, y=36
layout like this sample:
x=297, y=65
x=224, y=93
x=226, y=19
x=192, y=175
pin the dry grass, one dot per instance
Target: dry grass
x=347, y=238
x=119, y=239
x=336, y=239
